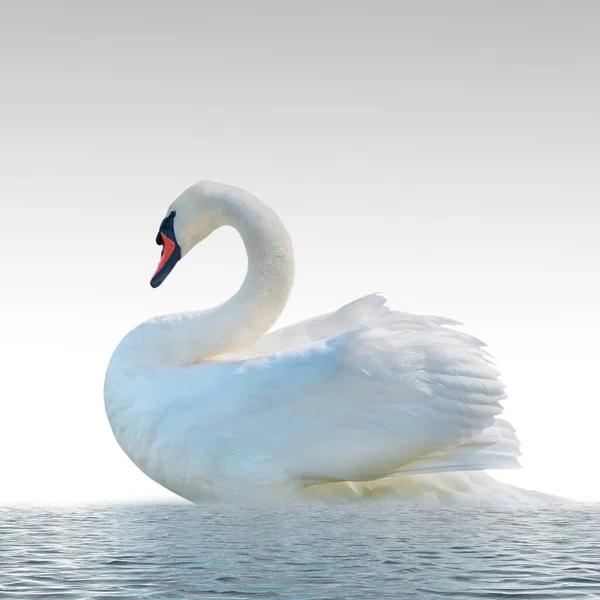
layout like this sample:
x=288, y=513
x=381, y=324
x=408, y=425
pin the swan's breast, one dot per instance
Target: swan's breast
x=184, y=428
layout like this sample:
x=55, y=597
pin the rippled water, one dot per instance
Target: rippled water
x=343, y=552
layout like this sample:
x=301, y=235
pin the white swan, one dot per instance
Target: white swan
x=208, y=405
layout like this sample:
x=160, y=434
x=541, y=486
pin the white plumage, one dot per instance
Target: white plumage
x=208, y=405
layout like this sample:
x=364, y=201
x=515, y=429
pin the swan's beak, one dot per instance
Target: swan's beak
x=171, y=252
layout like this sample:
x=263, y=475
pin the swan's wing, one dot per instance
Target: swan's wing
x=412, y=397
x=368, y=310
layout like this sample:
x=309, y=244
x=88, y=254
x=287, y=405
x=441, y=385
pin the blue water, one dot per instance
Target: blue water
x=343, y=552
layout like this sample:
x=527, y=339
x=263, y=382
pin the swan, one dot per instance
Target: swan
x=210, y=405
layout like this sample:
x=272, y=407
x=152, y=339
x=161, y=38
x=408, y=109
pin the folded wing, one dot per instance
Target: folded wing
x=397, y=393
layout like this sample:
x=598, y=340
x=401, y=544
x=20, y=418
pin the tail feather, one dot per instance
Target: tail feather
x=497, y=447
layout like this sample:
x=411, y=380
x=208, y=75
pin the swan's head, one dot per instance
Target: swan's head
x=191, y=217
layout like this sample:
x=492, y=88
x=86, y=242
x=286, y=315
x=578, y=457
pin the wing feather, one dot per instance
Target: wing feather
x=397, y=393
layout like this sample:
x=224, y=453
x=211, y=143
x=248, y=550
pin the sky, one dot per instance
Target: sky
x=444, y=154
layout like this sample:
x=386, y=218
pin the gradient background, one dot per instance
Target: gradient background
x=444, y=153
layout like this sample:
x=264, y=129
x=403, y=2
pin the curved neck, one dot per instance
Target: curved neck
x=259, y=302
x=186, y=338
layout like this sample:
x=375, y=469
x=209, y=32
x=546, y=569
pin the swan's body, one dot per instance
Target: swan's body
x=208, y=405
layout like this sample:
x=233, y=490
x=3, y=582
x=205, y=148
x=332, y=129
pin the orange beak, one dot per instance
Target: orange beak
x=168, y=249
x=171, y=252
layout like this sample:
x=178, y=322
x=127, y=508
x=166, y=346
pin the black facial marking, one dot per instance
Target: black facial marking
x=166, y=227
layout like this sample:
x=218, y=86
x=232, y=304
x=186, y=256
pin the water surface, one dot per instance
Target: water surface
x=335, y=552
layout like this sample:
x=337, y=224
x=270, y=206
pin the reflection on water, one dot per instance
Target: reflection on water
x=378, y=550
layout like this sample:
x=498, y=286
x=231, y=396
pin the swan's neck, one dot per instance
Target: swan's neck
x=257, y=305
x=187, y=338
